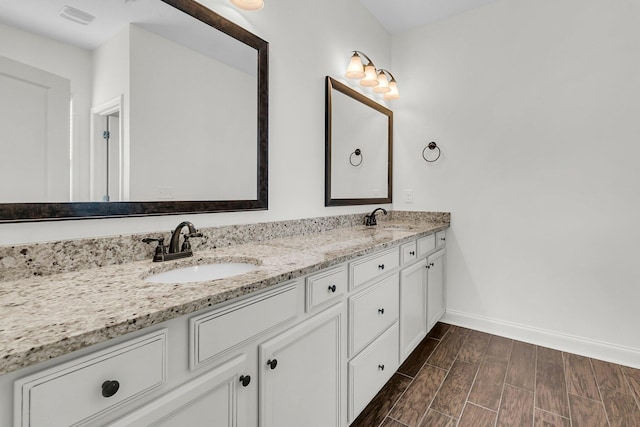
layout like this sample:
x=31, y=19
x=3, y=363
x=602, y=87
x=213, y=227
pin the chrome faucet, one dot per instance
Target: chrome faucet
x=370, y=220
x=175, y=251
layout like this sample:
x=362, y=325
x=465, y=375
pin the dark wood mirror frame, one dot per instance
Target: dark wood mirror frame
x=332, y=84
x=26, y=212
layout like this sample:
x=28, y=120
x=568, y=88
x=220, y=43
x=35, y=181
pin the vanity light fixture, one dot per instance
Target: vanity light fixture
x=371, y=77
x=249, y=4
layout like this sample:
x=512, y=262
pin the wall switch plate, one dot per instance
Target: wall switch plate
x=408, y=196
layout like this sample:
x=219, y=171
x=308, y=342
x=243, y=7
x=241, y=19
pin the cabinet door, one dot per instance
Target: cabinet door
x=435, y=283
x=413, y=307
x=301, y=374
x=220, y=398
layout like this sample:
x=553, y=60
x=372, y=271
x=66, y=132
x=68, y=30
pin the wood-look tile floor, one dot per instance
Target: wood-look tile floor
x=458, y=377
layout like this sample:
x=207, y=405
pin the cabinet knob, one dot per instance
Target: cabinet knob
x=443, y=238
x=245, y=380
x=431, y=265
x=109, y=388
x=381, y=267
x=332, y=288
x=427, y=266
x=381, y=367
x=412, y=253
x=272, y=363
x=381, y=310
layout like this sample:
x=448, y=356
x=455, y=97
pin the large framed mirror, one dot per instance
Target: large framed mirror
x=129, y=108
x=358, y=147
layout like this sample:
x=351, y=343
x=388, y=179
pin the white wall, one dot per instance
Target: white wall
x=535, y=105
x=306, y=42
x=212, y=143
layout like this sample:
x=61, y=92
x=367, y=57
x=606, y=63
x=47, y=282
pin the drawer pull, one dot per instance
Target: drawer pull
x=427, y=266
x=381, y=367
x=245, y=380
x=109, y=388
x=332, y=288
x=443, y=238
x=381, y=310
x=381, y=267
x=272, y=363
x=412, y=253
x=431, y=265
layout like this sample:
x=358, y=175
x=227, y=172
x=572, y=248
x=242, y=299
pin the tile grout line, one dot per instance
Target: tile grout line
x=595, y=378
x=566, y=387
x=466, y=400
x=636, y=398
x=504, y=383
x=535, y=385
x=445, y=377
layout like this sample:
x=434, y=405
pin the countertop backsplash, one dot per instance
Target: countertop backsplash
x=43, y=259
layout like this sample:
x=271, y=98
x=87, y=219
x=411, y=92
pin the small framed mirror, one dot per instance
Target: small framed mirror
x=358, y=148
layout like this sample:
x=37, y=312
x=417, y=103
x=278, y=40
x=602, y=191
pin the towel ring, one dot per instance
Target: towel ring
x=357, y=153
x=432, y=146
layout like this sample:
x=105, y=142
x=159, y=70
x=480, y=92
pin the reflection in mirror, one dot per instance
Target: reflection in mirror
x=359, y=140
x=145, y=106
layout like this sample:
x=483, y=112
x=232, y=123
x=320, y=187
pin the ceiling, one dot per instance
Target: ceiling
x=401, y=15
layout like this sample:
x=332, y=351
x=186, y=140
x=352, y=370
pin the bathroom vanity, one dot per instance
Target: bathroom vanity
x=312, y=334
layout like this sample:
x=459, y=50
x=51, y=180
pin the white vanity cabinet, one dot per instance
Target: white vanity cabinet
x=373, y=326
x=312, y=351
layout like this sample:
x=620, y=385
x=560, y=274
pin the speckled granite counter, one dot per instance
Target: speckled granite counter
x=45, y=317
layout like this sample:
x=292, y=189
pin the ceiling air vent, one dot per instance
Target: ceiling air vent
x=76, y=15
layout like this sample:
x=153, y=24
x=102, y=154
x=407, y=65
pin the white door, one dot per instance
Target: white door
x=413, y=307
x=34, y=134
x=301, y=374
x=218, y=398
x=435, y=283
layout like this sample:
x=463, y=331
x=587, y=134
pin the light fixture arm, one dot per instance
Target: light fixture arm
x=382, y=70
x=358, y=52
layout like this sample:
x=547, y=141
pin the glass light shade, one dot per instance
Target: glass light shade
x=393, y=91
x=249, y=4
x=370, y=78
x=355, y=69
x=383, y=83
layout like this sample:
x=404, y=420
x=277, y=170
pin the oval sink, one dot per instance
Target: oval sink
x=202, y=273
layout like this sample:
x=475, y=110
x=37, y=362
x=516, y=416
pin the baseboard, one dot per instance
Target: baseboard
x=626, y=356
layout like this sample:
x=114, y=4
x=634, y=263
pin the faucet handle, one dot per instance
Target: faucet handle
x=160, y=240
x=186, y=244
x=160, y=249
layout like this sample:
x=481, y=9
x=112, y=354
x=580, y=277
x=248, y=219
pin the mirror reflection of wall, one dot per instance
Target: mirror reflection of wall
x=356, y=122
x=357, y=126
x=55, y=152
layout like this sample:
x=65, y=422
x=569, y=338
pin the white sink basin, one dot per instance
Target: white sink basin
x=201, y=273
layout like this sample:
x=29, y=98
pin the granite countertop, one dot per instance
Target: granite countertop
x=46, y=317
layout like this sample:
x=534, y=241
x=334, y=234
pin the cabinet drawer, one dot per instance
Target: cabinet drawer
x=363, y=270
x=371, y=370
x=371, y=312
x=426, y=244
x=325, y=286
x=408, y=252
x=441, y=237
x=225, y=329
x=76, y=391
